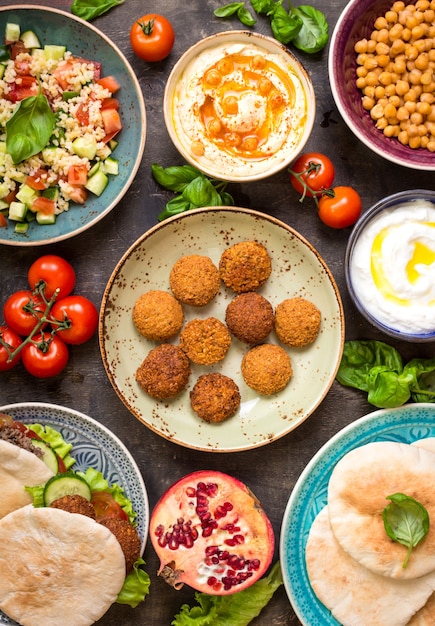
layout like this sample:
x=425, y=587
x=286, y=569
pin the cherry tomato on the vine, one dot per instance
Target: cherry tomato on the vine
x=83, y=317
x=152, y=37
x=55, y=272
x=313, y=169
x=17, y=315
x=342, y=209
x=48, y=362
x=106, y=507
x=13, y=341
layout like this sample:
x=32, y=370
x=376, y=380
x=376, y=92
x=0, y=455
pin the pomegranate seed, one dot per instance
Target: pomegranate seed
x=212, y=580
x=211, y=550
x=159, y=530
x=191, y=492
x=228, y=506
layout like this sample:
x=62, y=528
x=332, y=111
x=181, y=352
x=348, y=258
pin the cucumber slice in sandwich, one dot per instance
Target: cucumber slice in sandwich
x=68, y=484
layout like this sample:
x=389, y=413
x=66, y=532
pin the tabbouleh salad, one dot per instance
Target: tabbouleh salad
x=58, y=121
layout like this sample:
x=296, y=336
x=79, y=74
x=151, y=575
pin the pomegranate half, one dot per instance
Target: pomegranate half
x=211, y=533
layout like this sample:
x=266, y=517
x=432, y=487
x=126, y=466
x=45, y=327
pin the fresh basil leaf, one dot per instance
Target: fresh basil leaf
x=285, y=26
x=200, y=192
x=386, y=388
x=227, y=199
x=29, y=129
x=360, y=356
x=263, y=6
x=423, y=386
x=313, y=36
x=228, y=9
x=406, y=521
x=90, y=9
x=175, y=177
x=245, y=17
x=173, y=207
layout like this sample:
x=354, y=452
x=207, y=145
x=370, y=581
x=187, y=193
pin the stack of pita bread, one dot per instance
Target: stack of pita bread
x=354, y=568
x=55, y=567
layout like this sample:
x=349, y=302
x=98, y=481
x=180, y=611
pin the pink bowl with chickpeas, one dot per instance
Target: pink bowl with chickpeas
x=382, y=76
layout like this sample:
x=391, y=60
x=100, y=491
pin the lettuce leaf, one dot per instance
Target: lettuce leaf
x=237, y=609
x=136, y=586
x=56, y=441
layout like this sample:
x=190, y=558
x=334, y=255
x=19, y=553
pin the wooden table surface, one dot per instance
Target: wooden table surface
x=270, y=471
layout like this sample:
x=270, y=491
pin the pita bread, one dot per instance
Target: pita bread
x=355, y=595
x=57, y=567
x=19, y=468
x=357, y=492
x=427, y=444
x=426, y=615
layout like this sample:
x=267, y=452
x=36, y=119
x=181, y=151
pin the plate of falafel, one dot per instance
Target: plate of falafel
x=221, y=329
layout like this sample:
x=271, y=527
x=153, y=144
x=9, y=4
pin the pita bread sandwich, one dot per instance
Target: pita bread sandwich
x=355, y=595
x=358, y=490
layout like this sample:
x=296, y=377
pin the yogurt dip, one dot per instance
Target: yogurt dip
x=392, y=267
x=239, y=109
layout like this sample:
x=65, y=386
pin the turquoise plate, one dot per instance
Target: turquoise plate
x=93, y=446
x=57, y=27
x=404, y=424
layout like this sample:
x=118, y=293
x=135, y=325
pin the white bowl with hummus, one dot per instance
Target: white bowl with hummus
x=390, y=265
x=239, y=106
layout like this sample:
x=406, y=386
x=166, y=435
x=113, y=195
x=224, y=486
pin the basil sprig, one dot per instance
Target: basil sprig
x=304, y=26
x=377, y=368
x=406, y=521
x=194, y=189
x=90, y=9
x=29, y=129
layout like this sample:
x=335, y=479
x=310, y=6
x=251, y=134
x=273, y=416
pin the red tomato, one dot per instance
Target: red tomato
x=38, y=180
x=106, y=506
x=110, y=83
x=82, y=315
x=341, y=210
x=25, y=87
x=46, y=360
x=55, y=272
x=17, y=311
x=13, y=341
x=3, y=221
x=44, y=205
x=312, y=172
x=111, y=120
x=78, y=174
x=152, y=37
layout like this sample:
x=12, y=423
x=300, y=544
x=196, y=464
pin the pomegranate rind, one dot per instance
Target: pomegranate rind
x=211, y=533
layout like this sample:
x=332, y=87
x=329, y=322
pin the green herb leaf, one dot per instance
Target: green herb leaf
x=360, y=356
x=29, y=129
x=200, y=192
x=263, y=6
x=423, y=373
x=237, y=609
x=285, y=26
x=406, y=521
x=386, y=388
x=175, y=177
x=313, y=36
x=174, y=206
x=228, y=9
x=90, y=9
x=245, y=17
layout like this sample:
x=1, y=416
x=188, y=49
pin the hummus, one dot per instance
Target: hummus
x=392, y=268
x=239, y=109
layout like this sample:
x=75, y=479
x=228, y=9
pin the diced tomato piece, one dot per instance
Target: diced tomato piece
x=78, y=174
x=17, y=47
x=23, y=87
x=110, y=103
x=38, y=180
x=110, y=83
x=82, y=113
x=3, y=221
x=78, y=194
x=11, y=195
x=63, y=72
x=45, y=205
x=111, y=120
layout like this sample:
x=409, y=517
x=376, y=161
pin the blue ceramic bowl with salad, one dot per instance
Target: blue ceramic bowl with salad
x=72, y=127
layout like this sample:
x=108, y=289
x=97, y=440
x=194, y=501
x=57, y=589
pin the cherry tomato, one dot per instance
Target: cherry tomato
x=341, y=210
x=83, y=317
x=44, y=364
x=13, y=340
x=16, y=314
x=106, y=506
x=55, y=272
x=315, y=170
x=152, y=37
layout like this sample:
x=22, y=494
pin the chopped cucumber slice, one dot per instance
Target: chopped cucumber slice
x=49, y=455
x=12, y=32
x=46, y=220
x=67, y=484
x=4, y=190
x=94, y=169
x=30, y=40
x=54, y=52
x=111, y=166
x=27, y=195
x=97, y=183
x=17, y=211
x=52, y=193
x=21, y=228
x=85, y=147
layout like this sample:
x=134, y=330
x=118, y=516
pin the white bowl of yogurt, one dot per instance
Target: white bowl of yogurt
x=390, y=265
x=239, y=106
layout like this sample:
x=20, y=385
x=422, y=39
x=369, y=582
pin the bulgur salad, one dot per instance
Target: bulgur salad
x=58, y=122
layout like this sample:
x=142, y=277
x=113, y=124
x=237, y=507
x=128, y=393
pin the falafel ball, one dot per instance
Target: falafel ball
x=164, y=373
x=297, y=322
x=250, y=317
x=215, y=397
x=245, y=266
x=194, y=279
x=158, y=315
x=127, y=537
x=267, y=368
x=75, y=503
x=205, y=341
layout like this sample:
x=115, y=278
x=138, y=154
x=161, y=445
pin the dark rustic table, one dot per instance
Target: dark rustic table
x=270, y=471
